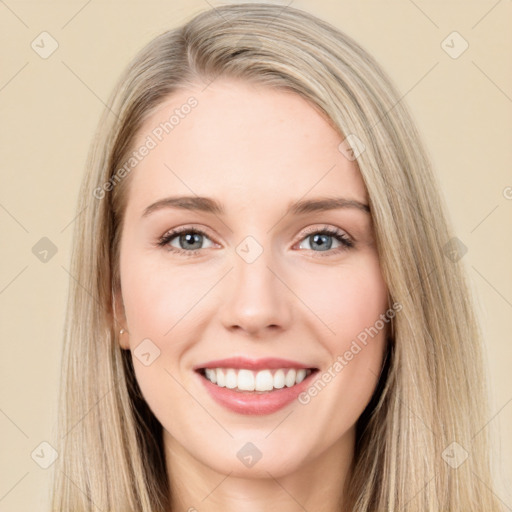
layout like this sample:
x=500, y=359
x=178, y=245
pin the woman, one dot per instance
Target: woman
x=264, y=367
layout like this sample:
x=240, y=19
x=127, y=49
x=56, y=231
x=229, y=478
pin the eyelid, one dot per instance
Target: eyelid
x=323, y=227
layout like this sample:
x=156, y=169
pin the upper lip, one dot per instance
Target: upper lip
x=252, y=364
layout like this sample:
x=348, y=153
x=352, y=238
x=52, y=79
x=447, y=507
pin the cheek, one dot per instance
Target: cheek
x=158, y=301
x=353, y=303
x=157, y=296
x=349, y=298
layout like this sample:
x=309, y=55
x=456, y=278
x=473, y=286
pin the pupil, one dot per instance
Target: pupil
x=323, y=245
x=189, y=238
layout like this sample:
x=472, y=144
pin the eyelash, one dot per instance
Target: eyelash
x=340, y=236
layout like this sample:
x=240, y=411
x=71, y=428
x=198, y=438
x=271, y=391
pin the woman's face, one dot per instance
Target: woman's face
x=250, y=276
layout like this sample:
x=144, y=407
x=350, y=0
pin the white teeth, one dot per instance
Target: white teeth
x=279, y=379
x=264, y=381
x=211, y=374
x=245, y=380
x=248, y=380
x=231, y=380
x=301, y=375
x=221, y=379
x=290, y=378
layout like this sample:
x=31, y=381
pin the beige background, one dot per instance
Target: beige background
x=50, y=107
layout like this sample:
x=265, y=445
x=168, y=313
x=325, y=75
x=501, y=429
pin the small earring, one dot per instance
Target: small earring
x=122, y=331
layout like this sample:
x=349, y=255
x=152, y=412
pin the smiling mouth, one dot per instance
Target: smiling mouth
x=262, y=381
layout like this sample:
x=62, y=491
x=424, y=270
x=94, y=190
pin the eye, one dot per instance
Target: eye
x=189, y=240
x=322, y=239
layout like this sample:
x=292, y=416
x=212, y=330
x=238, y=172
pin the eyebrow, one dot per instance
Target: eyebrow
x=301, y=207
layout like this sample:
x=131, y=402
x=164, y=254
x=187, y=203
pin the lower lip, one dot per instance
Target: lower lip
x=254, y=403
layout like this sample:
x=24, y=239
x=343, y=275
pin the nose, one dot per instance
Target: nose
x=257, y=301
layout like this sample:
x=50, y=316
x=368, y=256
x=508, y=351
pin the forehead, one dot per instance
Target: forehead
x=240, y=142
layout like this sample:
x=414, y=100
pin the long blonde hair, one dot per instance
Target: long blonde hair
x=433, y=390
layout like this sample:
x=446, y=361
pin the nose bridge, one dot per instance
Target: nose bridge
x=252, y=267
x=257, y=297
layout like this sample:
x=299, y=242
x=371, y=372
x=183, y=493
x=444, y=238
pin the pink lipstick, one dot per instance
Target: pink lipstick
x=255, y=387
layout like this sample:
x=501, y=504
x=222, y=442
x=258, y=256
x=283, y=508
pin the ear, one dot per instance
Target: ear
x=120, y=320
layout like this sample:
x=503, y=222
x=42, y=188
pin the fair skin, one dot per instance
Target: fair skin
x=255, y=150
